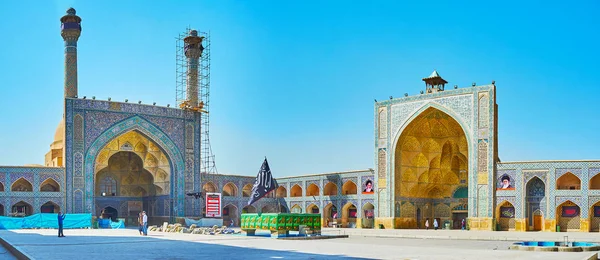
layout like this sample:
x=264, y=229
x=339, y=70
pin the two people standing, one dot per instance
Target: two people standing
x=435, y=224
x=143, y=223
x=61, y=218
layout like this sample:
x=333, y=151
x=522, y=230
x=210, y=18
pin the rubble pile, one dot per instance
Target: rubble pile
x=193, y=229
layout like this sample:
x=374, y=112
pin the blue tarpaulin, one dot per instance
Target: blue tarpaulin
x=46, y=220
x=107, y=223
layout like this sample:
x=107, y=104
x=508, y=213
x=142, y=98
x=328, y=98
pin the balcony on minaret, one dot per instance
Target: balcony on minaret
x=70, y=26
x=434, y=83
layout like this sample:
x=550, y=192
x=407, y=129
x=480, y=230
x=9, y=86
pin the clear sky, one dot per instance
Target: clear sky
x=295, y=80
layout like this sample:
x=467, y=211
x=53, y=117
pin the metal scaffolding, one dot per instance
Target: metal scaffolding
x=207, y=161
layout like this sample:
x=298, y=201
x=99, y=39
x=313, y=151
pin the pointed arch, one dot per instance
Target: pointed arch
x=312, y=190
x=163, y=142
x=247, y=190
x=230, y=215
x=568, y=216
x=595, y=182
x=50, y=185
x=249, y=209
x=230, y=190
x=349, y=188
x=1, y=187
x=50, y=207
x=568, y=181
x=296, y=209
x=209, y=187
x=312, y=209
x=535, y=203
x=21, y=209
x=281, y=192
x=331, y=216
x=594, y=217
x=349, y=215
x=296, y=191
x=368, y=216
x=506, y=216
x=331, y=189
x=21, y=185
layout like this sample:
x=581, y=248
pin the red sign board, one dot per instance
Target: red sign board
x=213, y=205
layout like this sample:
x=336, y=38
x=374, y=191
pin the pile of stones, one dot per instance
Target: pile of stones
x=193, y=229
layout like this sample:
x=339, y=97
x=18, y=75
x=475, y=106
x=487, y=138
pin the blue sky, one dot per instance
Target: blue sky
x=295, y=80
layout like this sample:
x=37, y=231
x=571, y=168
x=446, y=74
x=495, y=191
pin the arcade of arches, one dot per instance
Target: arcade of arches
x=131, y=171
x=431, y=172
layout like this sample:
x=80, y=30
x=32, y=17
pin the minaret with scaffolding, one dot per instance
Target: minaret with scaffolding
x=193, y=87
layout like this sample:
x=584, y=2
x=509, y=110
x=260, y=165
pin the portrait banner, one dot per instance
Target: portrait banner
x=505, y=183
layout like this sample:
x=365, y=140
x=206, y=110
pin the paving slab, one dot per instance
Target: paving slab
x=127, y=243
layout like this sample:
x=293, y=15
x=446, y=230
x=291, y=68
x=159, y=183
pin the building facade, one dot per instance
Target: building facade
x=435, y=159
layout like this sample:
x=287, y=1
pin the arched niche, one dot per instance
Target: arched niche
x=281, y=192
x=230, y=215
x=368, y=216
x=247, y=190
x=331, y=189
x=349, y=188
x=249, y=209
x=21, y=185
x=50, y=207
x=595, y=182
x=209, y=187
x=312, y=190
x=230, y=190
x=296, y=191
x=568, y=216
x=349, y=215
x=312, y=209
x=568, y=181
x=49, y=185
x=21, y=209
x=506, y=216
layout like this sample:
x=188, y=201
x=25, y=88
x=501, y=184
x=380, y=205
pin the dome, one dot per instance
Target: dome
x=59, y=135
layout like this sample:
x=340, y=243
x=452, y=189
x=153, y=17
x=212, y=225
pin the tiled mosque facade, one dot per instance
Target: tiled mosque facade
x=435, y=159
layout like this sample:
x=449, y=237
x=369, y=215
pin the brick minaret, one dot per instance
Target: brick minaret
x=70, y=29
x=193, y=51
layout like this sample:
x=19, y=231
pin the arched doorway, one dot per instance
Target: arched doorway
x=595, y=217
x=312, y=209
x=431, y=164
x=349, y=214
x=331, y=215
x=132, y=173
x=535, y=201
x=209, y=187
x=368, y=216
x=568, y=216
x=296, y=209
x=49, y=207
x=21, y=209
x=506, y=216
x=230, y=214
x=296, y=191
x=109, y=213
x=249, y=209
x=568, y=181
x=21, y=185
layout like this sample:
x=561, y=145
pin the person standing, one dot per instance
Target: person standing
x=141, y=223
x=463, y=224
x=435, y=224
x=427, y=224
x=61, y=217
x=145, y=223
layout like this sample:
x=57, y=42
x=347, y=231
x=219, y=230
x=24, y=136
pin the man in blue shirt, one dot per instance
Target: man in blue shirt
x=61, y=217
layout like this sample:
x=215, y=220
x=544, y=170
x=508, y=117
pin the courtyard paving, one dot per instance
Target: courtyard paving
x=127, y=243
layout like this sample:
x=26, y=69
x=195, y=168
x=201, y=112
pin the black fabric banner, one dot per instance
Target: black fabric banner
x=264, y=183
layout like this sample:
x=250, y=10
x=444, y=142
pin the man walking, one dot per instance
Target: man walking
x=145, y=222
x=61, y=217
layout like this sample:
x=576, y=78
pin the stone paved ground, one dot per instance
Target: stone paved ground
x=126, y=243
x=5, y=255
